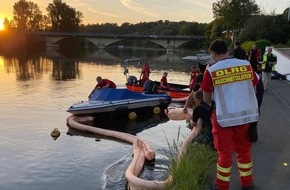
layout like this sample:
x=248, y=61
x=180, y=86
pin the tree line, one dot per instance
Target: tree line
x=233, y=20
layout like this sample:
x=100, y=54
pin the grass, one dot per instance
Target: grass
x=192, y=171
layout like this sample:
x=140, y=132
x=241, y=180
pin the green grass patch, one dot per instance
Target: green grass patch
x=193, y=170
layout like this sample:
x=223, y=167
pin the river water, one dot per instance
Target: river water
x=35, y=93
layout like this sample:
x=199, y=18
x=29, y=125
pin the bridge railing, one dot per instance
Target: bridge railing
x=57, y=34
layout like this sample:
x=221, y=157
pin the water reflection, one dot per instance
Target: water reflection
x=25, y=68
x=63, y=66
x=65, y=69
x=35, y=93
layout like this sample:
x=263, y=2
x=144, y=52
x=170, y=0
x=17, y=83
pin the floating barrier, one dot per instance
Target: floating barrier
x=177, y=113
x=179, y=99
x=141, y=152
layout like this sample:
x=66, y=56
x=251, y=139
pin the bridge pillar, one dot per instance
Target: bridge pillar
x=51, y=44
x=101, y=46
x=170, y=48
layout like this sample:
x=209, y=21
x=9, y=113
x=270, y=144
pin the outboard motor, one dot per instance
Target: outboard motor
x=132, y=80
x=150, y=87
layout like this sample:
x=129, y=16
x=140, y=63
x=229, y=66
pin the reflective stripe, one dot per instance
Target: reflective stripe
x=223, y=178
x=222, y=100
x=224, y=170
x=234, y=121
x=246, y=165
x=237, y=114
x=253, y=100
x=245, y=174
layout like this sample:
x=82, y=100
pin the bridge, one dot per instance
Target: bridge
x=103, y=40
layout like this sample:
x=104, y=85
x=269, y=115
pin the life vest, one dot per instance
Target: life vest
x=234, y=95
x=265, y=60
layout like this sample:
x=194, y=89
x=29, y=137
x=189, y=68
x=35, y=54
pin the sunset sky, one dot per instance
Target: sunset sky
x=135, y=11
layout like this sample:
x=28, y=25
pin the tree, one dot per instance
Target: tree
x=272, y=27
x=27, y=15
x=63, y=17
x=215, y=30
x=234, y=13
x=45, y=23
x=35, y=20
x=8, y=24
x=193, y=28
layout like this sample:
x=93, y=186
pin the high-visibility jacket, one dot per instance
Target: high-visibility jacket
x=265, y=60
x=234, y=94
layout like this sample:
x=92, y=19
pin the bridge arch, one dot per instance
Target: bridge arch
x=101, y=41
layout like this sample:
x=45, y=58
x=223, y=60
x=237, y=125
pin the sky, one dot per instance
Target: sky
x=136, y=11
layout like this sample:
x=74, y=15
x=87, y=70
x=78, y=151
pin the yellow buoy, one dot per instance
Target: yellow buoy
x=156, y=110
x=55, y=134
x=132, y=116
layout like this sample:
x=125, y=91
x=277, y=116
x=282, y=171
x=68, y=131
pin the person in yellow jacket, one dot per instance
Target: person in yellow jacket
x=268, y=65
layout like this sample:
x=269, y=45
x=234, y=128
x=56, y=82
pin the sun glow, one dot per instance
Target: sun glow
x=1, y=24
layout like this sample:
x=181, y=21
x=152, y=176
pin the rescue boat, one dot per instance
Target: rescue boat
x=176, y=90
x=109, y=102
x=133, y=84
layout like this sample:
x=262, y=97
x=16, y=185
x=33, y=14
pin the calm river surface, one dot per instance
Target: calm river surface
x=35, y=93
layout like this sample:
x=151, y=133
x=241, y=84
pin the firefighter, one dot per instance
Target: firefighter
x=230, y=84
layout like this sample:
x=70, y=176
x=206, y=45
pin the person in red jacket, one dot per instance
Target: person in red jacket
x=103, y=83
x=230, y=83
x=163, y=82
x=144, y=76
x=254, y=56
x=193, y=74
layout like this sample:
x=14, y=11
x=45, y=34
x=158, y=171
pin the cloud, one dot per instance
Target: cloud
x=201, y=3
x=102, y=13
x=91, y=9
x=138, y=7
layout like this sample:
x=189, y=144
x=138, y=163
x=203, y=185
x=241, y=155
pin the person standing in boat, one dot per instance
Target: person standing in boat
x=193, y=74
x=145, y=71
x=190, y=99
x=103, y=83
